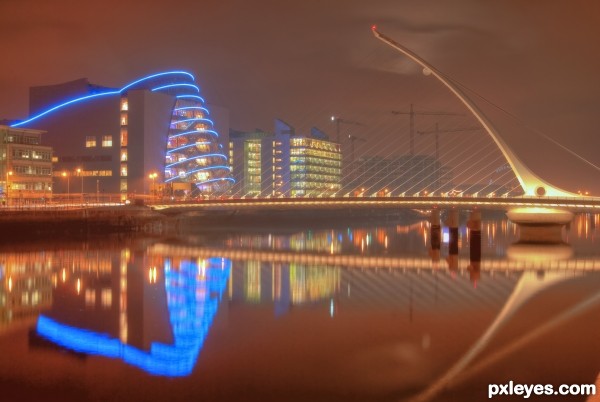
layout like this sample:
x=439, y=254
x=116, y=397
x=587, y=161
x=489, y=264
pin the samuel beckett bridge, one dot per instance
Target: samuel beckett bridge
x=525, y=196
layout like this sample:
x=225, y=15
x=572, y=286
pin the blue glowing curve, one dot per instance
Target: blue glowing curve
x=196, y=157
x=191, y=97
x=190, y=319
x=193, y=119
x=176, y=85
x=83, y=98
x=188, y=173
x=186, y=146
x=205, y=110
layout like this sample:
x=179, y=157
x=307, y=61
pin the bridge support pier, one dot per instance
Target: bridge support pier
x=436, y=235
x=540, y=225
x=474, y=225
x=452, y=223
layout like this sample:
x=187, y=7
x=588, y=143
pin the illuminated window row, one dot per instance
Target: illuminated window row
x=316, y=153
x=107, y=141
x=296, y=160
x=18, y=153
x=32, y=170
x=315, y=144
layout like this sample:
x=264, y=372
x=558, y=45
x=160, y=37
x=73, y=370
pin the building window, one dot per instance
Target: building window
x=107, y=141
x=123, y=137
x=124, y=105
x=124, y=170
x=123, y=186
x=123, y=119
x=90, y=141
x=123, y=155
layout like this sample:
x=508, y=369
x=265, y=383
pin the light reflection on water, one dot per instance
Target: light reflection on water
x=152, y=304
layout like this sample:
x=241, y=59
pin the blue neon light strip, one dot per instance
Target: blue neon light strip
x=83, y=98
x=205, y=110
x=196, y=157
x=199, y=170
x=189, y=132
x=191, y=97
x=193, y=119
x=149, y=77
x=176, y=85
x=63, y=105
x=187, y=146
x=190, y=320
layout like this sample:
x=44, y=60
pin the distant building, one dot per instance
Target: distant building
x=153, y=135
x=406, y=174
x=284, y=164
x=25, y=166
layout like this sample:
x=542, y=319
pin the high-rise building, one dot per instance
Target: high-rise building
x=25, y=166
x=153, y=135
x=284, y=164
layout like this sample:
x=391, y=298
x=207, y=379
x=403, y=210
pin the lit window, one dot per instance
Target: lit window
x=123, y=119
x=123, y=186
x=124, y=105
x=124, y=170
x=107, y=141
x=124, y=155
x=123, y=137
x=90, y=141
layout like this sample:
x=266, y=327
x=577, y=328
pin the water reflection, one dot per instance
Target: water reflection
x=376, y=301
x=137, y=329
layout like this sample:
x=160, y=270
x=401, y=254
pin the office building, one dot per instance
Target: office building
x=284, y=164
x=25, y=167
x=151, y=136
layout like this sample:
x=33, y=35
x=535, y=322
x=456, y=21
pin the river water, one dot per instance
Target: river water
x=354, y=312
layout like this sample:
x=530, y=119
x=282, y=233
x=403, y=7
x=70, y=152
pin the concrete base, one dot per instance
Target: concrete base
x=540, y=225
x=539, y=253
x=539, y=216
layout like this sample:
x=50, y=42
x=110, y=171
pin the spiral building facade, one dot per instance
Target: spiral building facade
x=151, y=136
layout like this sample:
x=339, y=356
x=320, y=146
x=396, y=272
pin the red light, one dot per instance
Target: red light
x=374, y=27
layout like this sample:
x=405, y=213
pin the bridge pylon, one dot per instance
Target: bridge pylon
x=532, y=184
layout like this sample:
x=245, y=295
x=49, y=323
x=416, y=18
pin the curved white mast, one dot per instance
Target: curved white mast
x=532, y=185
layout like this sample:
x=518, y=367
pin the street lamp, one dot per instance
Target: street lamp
x=152, y=176
x=65, y=174
x=8, y=174
x=79, y=173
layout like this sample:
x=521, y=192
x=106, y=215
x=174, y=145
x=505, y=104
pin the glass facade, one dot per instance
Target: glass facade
x=315, y=168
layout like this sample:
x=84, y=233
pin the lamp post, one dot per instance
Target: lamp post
x=66, y=174
x=152, y=176
x=8, y=174
x=79, y=173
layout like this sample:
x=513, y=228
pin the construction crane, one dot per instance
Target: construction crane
x=437, y=133
x=338, y=121
x=412, y=114
x=353, y=139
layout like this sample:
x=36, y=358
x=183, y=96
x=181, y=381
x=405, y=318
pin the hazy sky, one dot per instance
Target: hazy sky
x=303, y=61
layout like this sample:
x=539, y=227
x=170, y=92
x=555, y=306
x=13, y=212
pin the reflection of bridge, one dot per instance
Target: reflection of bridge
x=364, y=261
x=587, y=204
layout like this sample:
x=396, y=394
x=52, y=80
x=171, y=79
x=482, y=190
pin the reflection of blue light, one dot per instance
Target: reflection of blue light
x=190, y=315
x=197, y=157
x=104, y=94
x=176, y=85
x=445, y=235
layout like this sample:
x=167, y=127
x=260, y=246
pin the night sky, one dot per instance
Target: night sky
x=303, y=61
